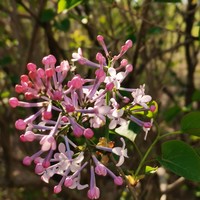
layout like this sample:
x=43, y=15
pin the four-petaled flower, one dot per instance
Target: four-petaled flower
x=121, y=152
x=115, y=77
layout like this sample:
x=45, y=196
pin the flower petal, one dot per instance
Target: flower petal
x=112, y=71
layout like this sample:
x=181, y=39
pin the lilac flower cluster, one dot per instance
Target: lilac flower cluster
x=70, y=108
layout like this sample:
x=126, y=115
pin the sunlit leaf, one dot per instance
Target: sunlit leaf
x=128, y=131
x=150, y=170
x=67, y=4
x=62, y=5
x=181, y=159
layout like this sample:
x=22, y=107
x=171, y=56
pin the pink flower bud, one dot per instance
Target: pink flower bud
x=47, y=115
x=65, y=65
x=57, y=95
x=29, y=136
x=88, y=133
x=101, y=170
x=152, y=108
x=27, y=160
x=69, y=108
x=118, y=180
x=31, y=67
x=40, y=73
x=129, y=43
x=32, y=74
x=147, y=125
x=110, y=86
x=37, y=160
x=57, y=189
x=64, y=119
x=49, y=60
x=29, y=95
x=93, y=193
x=124, y=62
x=76, y=82
x=100, y=73
x=19, y=88
x=129, y=68
x=39, y=168
x=100, y=38
x=100, y=58
x=78, y=131
x=20, y=124
x=24, y=78
x=22, y=138
x=49, y=72
x=68, y=182
x=13, y=102
x=45, y=163
x=126, y=99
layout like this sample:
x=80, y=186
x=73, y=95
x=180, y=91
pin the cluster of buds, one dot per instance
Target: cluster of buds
x=71, y=109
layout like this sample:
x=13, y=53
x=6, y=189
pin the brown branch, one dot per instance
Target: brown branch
x=190, y=58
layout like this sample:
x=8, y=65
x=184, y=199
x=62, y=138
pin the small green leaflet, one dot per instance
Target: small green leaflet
x=67, y=5
x=127, y=131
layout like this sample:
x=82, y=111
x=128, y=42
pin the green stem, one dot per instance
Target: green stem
x=148, y=151
x=169, y=134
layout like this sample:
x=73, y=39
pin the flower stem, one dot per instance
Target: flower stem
x=148, y=151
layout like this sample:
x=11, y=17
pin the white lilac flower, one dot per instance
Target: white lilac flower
x=116, y=116
x=140, y=98
x=121, y=152
x=115, y=77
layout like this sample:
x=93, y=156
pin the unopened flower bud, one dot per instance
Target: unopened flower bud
x=100, y=38
x=24, y=78
x=88, y=133
x=129, y=68
x=118, y=180
x=13, y=102
x=110, y=86
x=57, y=189
x=29, y=136
x=27, y=160
x=68, y=182
x=20, y=124
x=124, y=62
x=31, y=67
x=49, y=72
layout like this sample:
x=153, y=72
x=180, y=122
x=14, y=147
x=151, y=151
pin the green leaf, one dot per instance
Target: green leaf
x=67, y=4
x=171, y=113
x=190, y=123
x=168, y=1
x=128, y=131
x=62, y=5
x=47, y=15
x=63, y=25
x=181, y=159
x=196, y=95
x=139, y=110
x=150, y=170
x=5, y=60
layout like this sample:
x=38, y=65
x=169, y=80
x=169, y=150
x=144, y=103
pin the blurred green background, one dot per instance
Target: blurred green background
x=165, y=56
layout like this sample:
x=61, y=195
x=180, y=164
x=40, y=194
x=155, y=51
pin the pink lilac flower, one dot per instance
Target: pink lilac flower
x=70, y=109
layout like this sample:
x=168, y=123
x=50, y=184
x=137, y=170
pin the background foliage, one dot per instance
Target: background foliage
x=165, y=57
